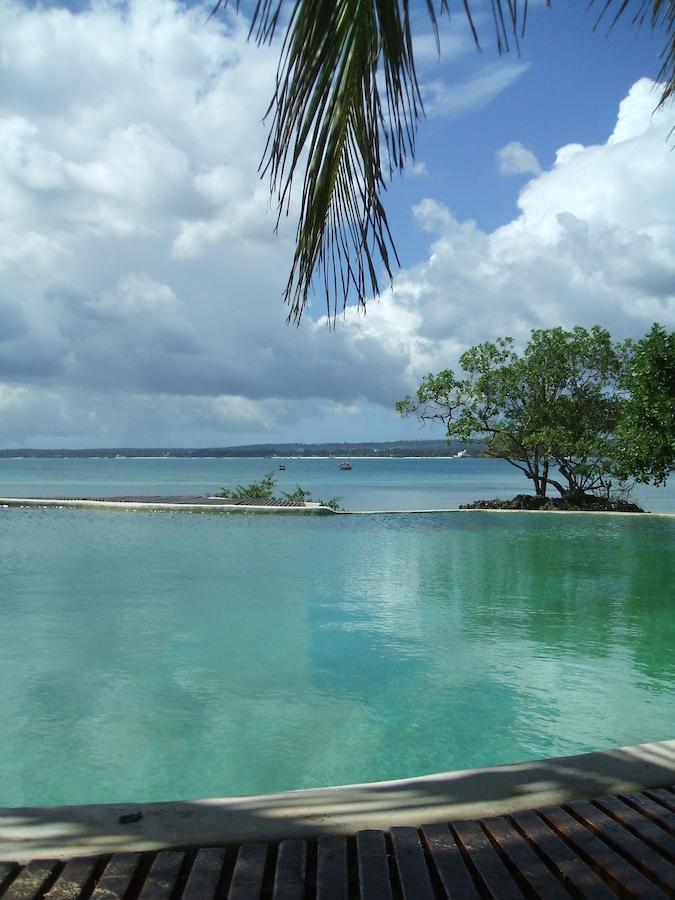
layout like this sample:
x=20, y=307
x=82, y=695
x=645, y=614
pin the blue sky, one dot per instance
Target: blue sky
x=140, y=276
x=573, y=79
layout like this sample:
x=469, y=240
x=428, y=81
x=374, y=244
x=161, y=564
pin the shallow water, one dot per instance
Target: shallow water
x=152, y=656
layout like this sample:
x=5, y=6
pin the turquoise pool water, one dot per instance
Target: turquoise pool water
x=168, y=655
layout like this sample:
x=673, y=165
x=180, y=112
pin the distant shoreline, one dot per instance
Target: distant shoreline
x=271, y=458
x=412, y=449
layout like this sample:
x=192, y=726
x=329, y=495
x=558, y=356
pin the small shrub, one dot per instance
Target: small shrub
x=299, y=495
x=257, y=490
x=264, y=490
x=333, y=503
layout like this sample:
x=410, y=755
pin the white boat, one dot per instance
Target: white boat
x=461, y=454
x=345, y=466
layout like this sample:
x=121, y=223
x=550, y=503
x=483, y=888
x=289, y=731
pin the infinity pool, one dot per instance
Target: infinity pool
x=154, y=656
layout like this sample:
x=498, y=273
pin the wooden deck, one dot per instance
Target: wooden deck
x=616, y=846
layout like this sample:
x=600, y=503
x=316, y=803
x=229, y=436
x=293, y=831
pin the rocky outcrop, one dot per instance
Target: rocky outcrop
x=576, y=504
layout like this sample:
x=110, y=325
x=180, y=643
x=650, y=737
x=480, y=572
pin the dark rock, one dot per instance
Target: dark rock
x=587, y=503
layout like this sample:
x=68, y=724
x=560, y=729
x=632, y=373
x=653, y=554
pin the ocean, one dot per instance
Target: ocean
x=372, y=484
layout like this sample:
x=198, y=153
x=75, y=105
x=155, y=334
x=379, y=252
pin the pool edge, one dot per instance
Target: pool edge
x=62, y=832
x=310, y=509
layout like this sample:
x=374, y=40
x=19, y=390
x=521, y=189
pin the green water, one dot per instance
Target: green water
x=160, y=656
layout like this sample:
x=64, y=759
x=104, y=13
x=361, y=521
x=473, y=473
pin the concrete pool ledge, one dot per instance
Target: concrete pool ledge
x=61, y=832
x=214, y=505
x=533, y=512
x=210, y=504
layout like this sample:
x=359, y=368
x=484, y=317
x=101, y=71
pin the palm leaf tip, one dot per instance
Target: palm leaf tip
x=659, y=15
x=330, y=105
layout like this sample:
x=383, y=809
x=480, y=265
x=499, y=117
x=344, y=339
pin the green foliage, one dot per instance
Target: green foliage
x=264, y=490
x=333, y=503
x=298, y=495
x=550, y=411
x=257, y=490
x=646, y=434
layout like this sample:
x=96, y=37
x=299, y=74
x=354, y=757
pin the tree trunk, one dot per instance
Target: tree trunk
x=540, y=485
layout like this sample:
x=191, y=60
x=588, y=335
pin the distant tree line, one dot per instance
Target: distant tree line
x=574, y=410
x=427, y=448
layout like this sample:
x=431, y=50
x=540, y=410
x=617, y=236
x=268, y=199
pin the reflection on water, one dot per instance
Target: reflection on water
x=162, y=656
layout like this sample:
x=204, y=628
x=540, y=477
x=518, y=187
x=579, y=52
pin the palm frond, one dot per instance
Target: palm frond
x=659, y=15
x=347, y=100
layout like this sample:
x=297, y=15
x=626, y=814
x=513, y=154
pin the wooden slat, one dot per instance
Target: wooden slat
x=644, y=827
x=488, y=864
x=642, y=856
x=289, y=877
x=371, y=851
x=8, y=871
x=75, y=877
x=117, y=876
x=572, y=871
x=614, y=867
x=540, y=880
x=163, y=876
x=249, y=872
x=663, y=796
x=332, y=873
x=205, y=874
x=449, y=863
x=411, y=865
x=647, y=803
x=32, y=880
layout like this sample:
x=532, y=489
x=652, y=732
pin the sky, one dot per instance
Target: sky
x=141, y=276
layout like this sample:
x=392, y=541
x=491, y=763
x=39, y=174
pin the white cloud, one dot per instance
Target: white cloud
x=138, y=255
x=515, y=159
x=453, y=43
x=137, y=248
x=417, y=169
x=140, y=276
x=51, y=416
x=594, y=243
x=443, y=99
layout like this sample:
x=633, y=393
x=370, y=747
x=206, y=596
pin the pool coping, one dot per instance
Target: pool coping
x=539, y=512
x=61, y=832
x=310, y=508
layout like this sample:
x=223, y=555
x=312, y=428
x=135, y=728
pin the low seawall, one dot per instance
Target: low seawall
x=215, y=505
x=159, y=504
